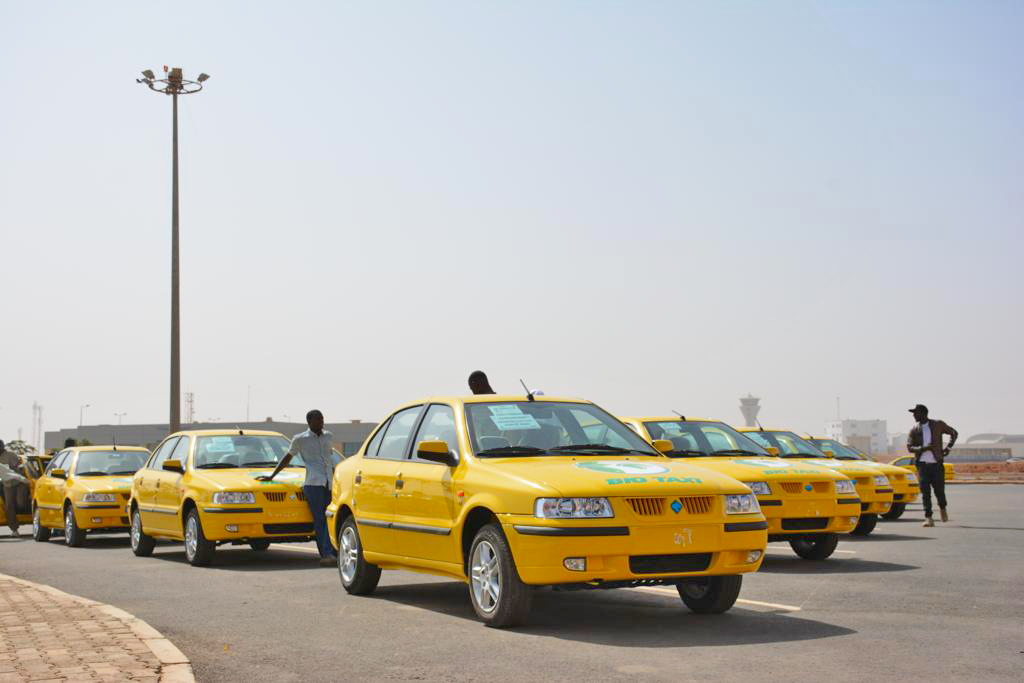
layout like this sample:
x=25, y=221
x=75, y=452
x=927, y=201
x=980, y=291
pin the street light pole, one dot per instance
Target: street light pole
x=174, y=84
x=81, y=413
x=119, y=416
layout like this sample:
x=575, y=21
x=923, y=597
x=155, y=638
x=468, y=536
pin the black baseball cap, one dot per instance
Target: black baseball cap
x=919, y=406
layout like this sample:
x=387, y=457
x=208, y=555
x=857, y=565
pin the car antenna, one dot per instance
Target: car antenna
x=681, y=416
x=240, y=432
x=759, y=427
x=113, y=440
x=529, y=394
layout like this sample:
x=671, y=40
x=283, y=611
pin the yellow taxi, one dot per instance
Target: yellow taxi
x=806, y=505
x=507, y=493
x=84, y=491
x=31, y=468
x=201, y=487
x=907, y=463
x=905, y=488
x=873, y=487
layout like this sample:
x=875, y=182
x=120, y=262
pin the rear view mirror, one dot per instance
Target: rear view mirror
x=772, y=450
x=435, y=451
x=58, y=474
x=174, y=466
x=663, y=445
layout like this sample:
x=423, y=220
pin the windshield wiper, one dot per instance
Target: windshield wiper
x=511, y=450
x=600, y=447
x=737, y=451
x=92, y=474
x=123, y=472
x=685, y=452
x=216, y=466
x=261, y=463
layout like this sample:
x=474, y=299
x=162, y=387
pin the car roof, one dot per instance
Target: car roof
x=227, y=432
x=112, y=447
x=672, y=418
x=491, y=398
x=767, y=429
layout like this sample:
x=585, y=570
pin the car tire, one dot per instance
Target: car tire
x=358, y=577
x=259, y=544
x=73, y=536
x=815, y=546
x=142, y=544
x=710, y=594
x=896, y=511
x=39, y=532
x=198, y=550
x=500, y=599
x=866, y=525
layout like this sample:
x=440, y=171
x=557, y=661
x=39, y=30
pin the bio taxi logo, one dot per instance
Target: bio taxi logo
x=622, y=467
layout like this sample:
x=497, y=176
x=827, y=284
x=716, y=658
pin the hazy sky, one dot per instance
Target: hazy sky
x=653, y=205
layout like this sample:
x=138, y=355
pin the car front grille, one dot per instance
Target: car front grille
x=126, y=496
x=647, y=507
x=669, y=564
x=804, y=523
x=821, y=486
x=863, y=481
x=791, y=486
x=697, y=505
x=281, y=496
x=294, y=528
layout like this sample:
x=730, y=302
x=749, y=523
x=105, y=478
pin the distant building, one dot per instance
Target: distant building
x=348, y=436
x=988, y=448
x=869, y=436
x=750, y=407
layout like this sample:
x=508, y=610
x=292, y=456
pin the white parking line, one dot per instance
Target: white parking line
x=283, y=546
x=756, y=603
x=789, y=550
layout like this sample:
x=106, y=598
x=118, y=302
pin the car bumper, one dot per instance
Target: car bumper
x=906, y=494
x=633, y=553
x=810, y=516
x=101, y=516
x=243, y=522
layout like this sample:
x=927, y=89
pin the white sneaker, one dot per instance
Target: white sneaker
x=928, y=522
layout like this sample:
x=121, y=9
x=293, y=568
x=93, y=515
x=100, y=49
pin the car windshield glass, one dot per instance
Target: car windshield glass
x=789, y=444
x=237, y=450
x=695, y=439
x=531, y=428
x=842, y=452
x=106, y=463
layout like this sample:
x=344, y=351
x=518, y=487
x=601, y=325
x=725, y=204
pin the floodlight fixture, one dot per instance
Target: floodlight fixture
x=148, y=74
x=202, y=77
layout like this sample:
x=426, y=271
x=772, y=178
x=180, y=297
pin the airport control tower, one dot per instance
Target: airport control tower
x=750, y=407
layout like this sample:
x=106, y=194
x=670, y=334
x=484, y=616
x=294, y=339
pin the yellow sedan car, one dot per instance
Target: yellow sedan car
x=202, y=487
x=806, y=505
x=508, y=493
x=84, y=491
x=873, y=487
x=31, y=468
x=905, y=486
x=907, y=463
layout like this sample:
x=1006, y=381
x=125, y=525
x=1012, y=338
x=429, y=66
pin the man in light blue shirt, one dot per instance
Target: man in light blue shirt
x=314, y=447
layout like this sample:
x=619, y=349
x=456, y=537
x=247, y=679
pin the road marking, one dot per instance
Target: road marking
x=788, y=549
x=756, y=603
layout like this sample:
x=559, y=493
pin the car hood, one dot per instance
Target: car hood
x=880, y=466
x=845, y=466
x=765, y=468
x=119, y=483
x=611, y=476
x=244, y=479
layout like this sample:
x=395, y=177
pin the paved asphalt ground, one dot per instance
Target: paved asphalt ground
x=907, y=602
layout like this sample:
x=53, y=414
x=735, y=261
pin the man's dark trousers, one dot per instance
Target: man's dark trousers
x=318, y=498
x=932, y=475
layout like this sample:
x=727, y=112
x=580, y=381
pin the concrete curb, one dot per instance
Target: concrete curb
x=174, y=665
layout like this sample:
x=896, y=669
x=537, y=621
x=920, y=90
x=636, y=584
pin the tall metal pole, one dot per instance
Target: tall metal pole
x=175, y=417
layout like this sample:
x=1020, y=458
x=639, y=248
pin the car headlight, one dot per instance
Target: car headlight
x=741, y=504
x=98, y=498
x=911, y=477
x=572, y=508
x=233, y=497
x=760, y=488
x=845, y=486
x=881, y=480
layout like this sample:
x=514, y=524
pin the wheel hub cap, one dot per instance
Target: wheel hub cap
x=348, y=557
x=191, y=537
x=485, y=576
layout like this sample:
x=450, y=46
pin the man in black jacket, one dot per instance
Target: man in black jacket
x=925, y=442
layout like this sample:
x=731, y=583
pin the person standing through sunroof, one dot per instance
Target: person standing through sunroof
x=478, y=383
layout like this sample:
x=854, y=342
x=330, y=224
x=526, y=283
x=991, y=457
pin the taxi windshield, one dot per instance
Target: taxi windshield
x=526, y=428
x=237, y=450
x=841, y=452
x=108, y=463
x=789, y=444
x=696, y=439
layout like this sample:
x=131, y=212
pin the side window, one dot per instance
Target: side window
x=719, y=440
x=58, y=461
x=371, y=448
x=180, y=451
x=439, y=425
x=163, y=453
x=396, y=438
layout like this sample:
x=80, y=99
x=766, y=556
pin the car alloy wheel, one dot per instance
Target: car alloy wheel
x=35, y=522
x=69, y=524
x=696, y=588
x=136, y=530
x=485, y=575
x=348, y=557
x=191, y=537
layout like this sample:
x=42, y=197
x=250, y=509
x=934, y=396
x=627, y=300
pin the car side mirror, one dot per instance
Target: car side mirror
x=663, y=445
x=58, y=474
x=174, y=466
x=829, y=454
x=435, y=451
x=772, y=450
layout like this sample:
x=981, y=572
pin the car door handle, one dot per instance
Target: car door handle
x=158, y=483
x=359, y=477
x=398, y=481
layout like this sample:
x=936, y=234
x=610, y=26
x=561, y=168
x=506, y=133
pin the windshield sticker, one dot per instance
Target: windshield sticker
x=512, y=422
x=219, y=447
x=622, y=467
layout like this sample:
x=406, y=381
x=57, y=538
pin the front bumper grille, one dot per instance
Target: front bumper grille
x=281, y=496
x=804, y=523
x=294, y=528
x=669, y=564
